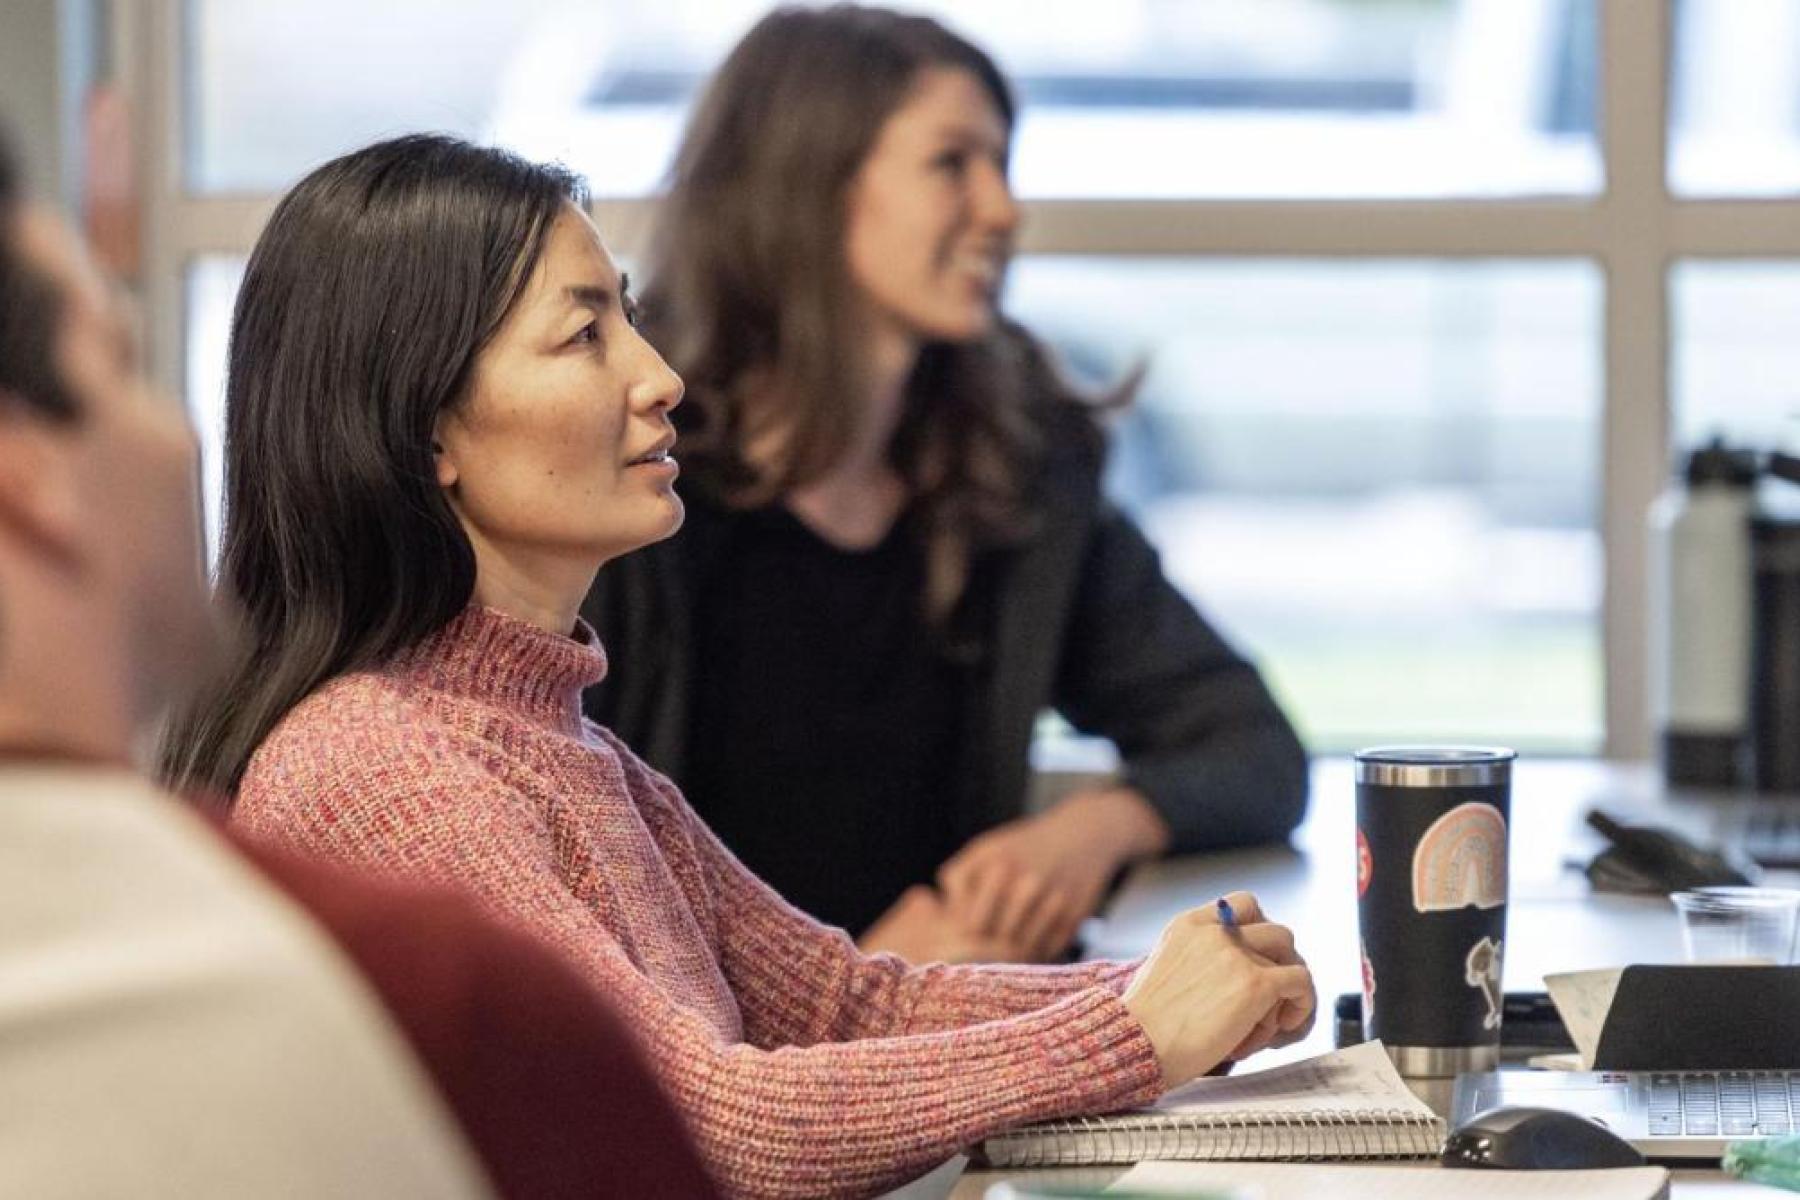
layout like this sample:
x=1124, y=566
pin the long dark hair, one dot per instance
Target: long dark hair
x=377, y=282
x=750, y=298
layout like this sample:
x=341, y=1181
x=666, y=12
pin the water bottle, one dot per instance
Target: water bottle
x=1700, y=617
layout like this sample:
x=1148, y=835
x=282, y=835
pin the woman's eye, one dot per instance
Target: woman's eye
x=634, y=315
x=953, y=161
x=587, y=333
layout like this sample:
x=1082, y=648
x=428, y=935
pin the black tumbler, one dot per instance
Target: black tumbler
x=1431, y=899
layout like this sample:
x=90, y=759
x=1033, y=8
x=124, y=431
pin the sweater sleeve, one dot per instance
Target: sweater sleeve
x=801, y=982
x=1200, y=735
x=843, y=1118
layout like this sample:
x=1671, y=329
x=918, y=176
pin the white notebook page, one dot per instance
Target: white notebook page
x=1314, y=1181
x=1582, y=999
x=1358, y=1078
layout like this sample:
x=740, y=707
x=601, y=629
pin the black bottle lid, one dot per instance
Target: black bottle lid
x=1717, y=463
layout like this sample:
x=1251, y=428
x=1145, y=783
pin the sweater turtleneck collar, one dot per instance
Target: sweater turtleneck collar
x=495, y=658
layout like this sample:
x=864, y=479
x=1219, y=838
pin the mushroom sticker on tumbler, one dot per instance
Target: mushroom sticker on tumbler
x=1461, y=860
x=1482, y=970
x=1365, y=865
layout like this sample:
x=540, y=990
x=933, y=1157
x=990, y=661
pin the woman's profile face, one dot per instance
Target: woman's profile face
x=931, y=217
x=560, y=450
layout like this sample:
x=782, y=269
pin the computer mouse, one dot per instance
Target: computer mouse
x=1521, y=1138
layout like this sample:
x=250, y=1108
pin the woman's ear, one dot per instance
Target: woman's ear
x=445, y=465
x=40, y=503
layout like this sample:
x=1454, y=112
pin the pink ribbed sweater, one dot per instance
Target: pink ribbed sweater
x=804, y=1068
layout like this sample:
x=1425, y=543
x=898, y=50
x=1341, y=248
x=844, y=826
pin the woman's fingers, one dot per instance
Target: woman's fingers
x=1042, y=927
x=1020, y=910
x=1259, y=1038
x=1288, y=1020
x=1058, y=942
x=1294, y=984
x=1274, y=942
x=1244, y=908
x=971, y=889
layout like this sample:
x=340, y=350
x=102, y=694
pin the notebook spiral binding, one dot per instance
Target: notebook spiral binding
x=1320, y=1136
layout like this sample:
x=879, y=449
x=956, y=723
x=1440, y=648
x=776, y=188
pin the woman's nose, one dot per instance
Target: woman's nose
x=995, y=206
x=659, y=386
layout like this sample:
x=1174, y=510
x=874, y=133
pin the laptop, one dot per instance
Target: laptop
x=1665, y=1114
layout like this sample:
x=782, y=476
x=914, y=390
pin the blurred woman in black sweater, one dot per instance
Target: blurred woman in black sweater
x=896, y=528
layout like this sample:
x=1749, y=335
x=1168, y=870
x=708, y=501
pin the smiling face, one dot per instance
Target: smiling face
x=931, y=218
x=559, y=453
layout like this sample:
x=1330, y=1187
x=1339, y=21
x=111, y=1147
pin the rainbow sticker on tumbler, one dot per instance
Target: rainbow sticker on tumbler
x=1481, y=969
x=1461, y=861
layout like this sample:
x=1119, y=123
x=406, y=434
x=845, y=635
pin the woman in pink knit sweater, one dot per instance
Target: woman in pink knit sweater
x=441, y=421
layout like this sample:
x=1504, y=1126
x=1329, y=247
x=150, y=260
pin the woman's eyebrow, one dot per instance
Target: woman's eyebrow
x=592, y=295
x=963, y=131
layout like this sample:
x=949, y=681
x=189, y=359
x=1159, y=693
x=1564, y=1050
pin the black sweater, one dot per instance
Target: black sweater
x=1082, y=621
x=841, y=795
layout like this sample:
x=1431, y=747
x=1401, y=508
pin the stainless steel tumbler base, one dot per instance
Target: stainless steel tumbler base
x=1442, y=1062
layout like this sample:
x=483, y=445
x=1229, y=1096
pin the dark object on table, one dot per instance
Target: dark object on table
x=1644, y=858
x=1529, y=1025
x=1775, y=635
x=1702, y=1017
x=1536, y=1139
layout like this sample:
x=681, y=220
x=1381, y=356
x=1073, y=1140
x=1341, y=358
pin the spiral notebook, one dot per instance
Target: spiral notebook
x=1349, y=1104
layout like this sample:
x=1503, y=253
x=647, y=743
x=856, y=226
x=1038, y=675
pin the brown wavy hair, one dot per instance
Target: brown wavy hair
x=750, y=297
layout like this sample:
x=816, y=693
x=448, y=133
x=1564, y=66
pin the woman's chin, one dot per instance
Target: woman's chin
x=963, y=328
x=652, y=530
x=666, y=524
x=677, y=515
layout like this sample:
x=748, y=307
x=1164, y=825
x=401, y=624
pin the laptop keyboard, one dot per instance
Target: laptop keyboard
x=1724, y=1103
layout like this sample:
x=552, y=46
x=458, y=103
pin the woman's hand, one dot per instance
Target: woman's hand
x=1033, y=881
x=1208, y=993
x=920, y=928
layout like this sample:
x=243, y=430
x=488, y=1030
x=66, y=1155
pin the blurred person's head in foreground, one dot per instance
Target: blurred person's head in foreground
x=826, y=273
x=436, y=395
x=103, y=612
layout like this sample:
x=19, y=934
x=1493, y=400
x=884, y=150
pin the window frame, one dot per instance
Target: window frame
x=1634, y=230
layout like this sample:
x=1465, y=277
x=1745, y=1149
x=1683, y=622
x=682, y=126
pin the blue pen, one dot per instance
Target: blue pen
x=1227, y=918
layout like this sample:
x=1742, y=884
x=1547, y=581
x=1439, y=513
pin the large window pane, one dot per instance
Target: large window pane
x=212, y=285
x=1736, y=353
x=1144, y=98
x=1735, y=98
x=1379, y=478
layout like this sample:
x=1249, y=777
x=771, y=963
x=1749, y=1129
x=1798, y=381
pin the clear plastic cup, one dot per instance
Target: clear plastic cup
x=1738, y=924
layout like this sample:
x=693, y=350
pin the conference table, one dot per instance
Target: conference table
x=1555, y=921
